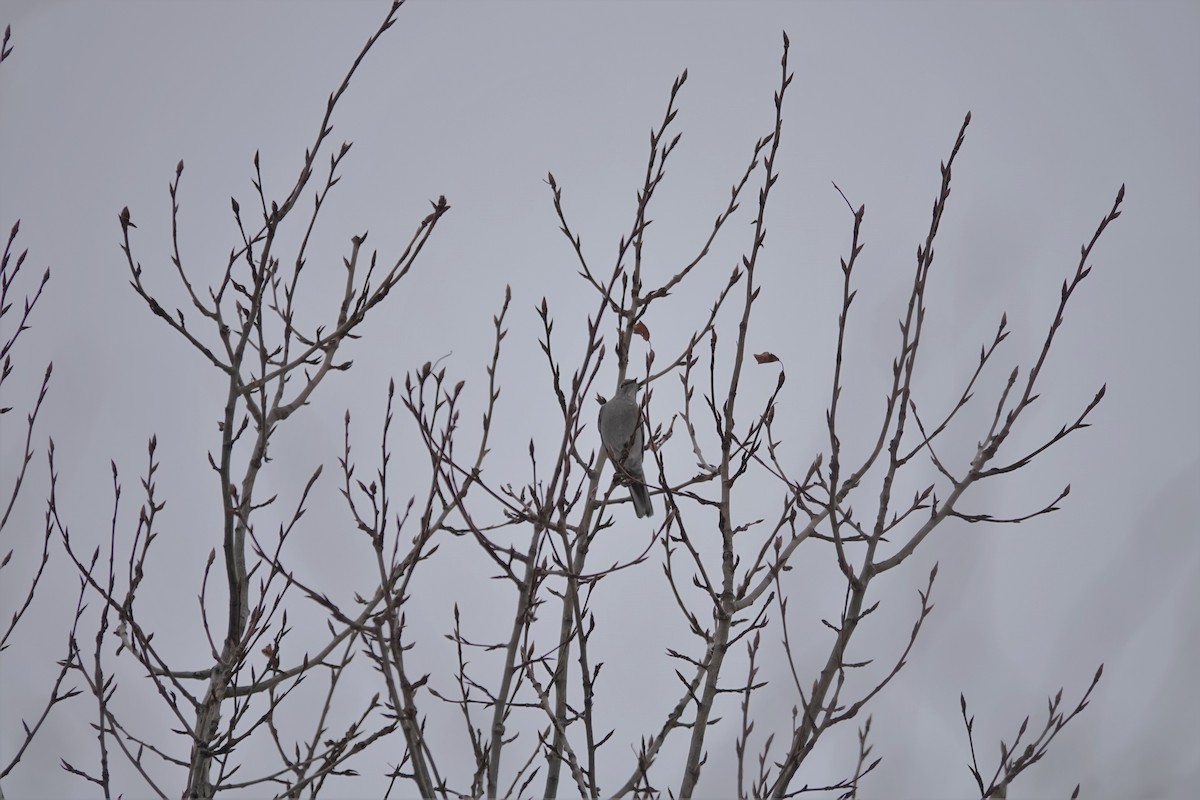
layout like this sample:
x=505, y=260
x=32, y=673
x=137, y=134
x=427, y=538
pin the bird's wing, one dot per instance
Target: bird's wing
x=618, y=420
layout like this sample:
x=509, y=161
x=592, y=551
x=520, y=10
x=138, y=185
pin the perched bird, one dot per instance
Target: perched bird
x=623, y=437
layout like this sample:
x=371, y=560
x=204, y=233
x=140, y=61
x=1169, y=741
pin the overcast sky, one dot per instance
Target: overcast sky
x=478, y=101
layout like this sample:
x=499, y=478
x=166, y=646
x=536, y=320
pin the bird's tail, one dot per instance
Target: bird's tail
x=641, y=499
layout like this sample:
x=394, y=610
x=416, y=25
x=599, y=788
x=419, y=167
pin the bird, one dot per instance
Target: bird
x=622, y=435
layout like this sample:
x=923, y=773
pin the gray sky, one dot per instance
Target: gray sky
x=477, y=102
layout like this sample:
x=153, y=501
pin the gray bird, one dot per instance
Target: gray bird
x=623, y=437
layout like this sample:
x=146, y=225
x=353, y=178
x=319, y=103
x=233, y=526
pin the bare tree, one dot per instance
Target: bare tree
x=529, y=709
x=20, y=313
